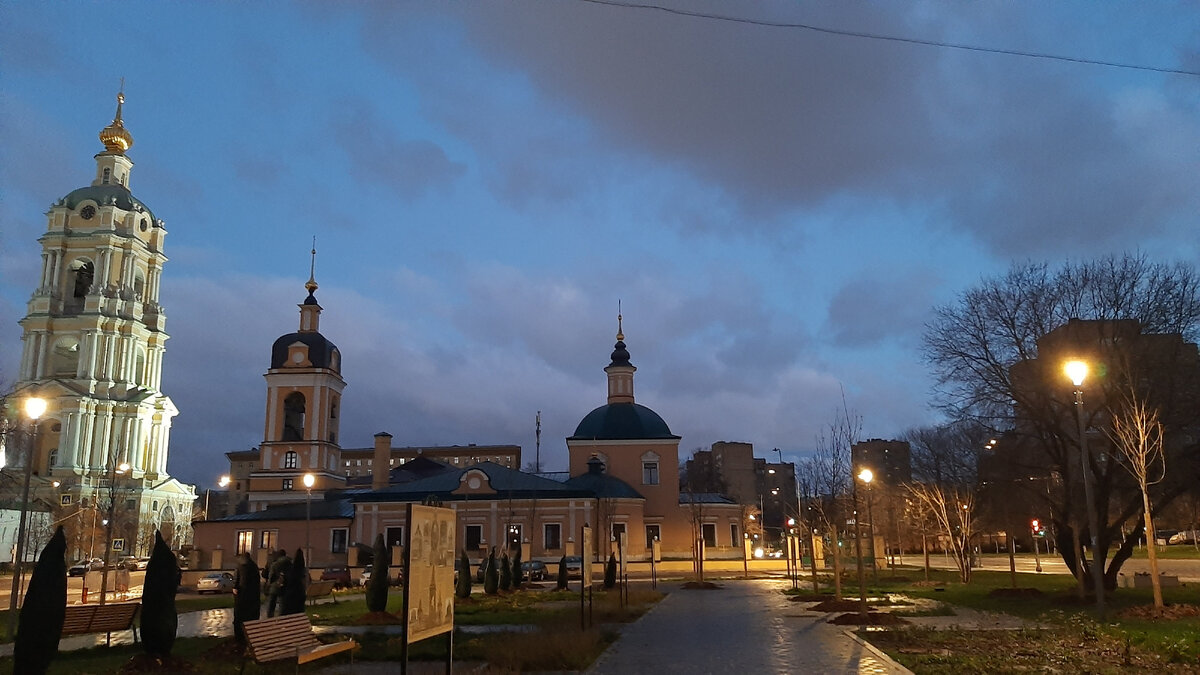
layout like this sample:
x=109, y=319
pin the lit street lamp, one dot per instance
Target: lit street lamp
x=1077, y=371
x=116, y=470
x=309, y=480
x=866, y=476
x=223, y=483
x=34, y=407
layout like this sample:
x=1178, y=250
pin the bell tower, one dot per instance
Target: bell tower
x=93, y=341
x=304, y=396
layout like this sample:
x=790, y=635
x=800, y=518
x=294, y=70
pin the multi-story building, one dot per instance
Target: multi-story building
x=93, y=338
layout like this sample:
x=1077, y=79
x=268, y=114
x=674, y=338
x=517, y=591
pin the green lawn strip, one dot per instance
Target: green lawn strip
x=1176, y=552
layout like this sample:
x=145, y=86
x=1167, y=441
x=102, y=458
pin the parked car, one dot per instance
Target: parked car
x=535, y=570
x=1185, y=537
x=79, y=568
x=574, y=567
x=133, y=563
x=215, y=582
x=338, y=574
x=365, y=577
x=1163, y=537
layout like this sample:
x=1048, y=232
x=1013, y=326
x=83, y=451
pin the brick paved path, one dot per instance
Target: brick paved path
x=745, y=627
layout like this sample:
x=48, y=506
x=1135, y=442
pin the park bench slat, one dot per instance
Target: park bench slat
x=83, y=619
x=288, y=637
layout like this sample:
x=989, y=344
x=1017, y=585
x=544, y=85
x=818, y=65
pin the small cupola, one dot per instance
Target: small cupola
x=620, y=371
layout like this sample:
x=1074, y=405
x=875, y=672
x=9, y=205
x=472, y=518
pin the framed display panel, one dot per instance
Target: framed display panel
x=429, y=572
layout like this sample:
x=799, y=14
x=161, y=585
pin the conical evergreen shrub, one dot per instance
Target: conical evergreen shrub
x=505, y=572
x=247, y=605
x=610, y=571
x=377, y=585
x=518, y=574
x=41, y=618
x=295, y=585
x=491, y=576
x=562, y=574
x=463, y=588
x=159, y=619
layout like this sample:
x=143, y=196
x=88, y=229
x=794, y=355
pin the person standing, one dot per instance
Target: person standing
x=279, y=571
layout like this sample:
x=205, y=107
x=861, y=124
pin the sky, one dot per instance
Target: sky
x=776, y=209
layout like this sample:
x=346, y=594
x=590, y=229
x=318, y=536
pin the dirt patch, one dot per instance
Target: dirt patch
x=871, y=619
x=811, y=597
x=700, y=586
x=226, y=650
x=145, y=663
x=1015, y=593
x=1168, y=613
x=836, y=606
x=377, y=619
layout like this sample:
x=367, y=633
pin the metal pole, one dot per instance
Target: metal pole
x=862, y=584
x=1093, y=517
x=871, y=518
x=17, y=563
x=308, y=528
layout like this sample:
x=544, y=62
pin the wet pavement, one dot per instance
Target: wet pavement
x=745, y=626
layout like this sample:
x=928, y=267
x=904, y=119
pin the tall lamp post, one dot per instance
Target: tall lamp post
x=1077, y=371
x=866, y=476
x=109, y=522
x=862, y=584
x=223, y=483
x=34, y=407
x=309, y=480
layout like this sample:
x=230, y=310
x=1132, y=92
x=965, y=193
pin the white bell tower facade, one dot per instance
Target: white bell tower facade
x=93, y=344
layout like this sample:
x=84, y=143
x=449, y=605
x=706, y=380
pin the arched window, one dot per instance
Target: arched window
x=290, y=459
x=81, y=275
x=293, y=417
x=64, y=362
x=52, y=458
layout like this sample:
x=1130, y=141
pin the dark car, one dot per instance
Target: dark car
x=574, y=567
x=535, y=570
x=338, y=574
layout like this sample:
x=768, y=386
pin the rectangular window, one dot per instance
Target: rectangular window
x=618, y=529
x=245, y=540
x=394, y=536
x=710, y=534
x=652, y=532
x=338, y=537
x=287, y=483
x=552, y=536
x=268, y=539
x=734, y=538
x=474, y=537
x=649, y=473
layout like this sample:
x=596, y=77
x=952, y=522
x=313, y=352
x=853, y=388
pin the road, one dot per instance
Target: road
x=1188, y=571
x=75, y=586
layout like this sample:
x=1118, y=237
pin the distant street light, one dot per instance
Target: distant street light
x=223, y=483
x=309, y=480
x=1077, y=371
x=34, y=407
x=866, y=476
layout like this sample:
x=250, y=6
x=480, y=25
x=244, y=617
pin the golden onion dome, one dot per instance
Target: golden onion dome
x=115, y=137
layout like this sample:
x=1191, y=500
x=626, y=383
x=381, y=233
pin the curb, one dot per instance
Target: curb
x=879, y=654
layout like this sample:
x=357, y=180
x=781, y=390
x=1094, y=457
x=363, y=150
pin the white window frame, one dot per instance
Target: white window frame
x=557, y=535
x=333, y=532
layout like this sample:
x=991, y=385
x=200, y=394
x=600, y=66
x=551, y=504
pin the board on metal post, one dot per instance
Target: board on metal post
x=428, y=577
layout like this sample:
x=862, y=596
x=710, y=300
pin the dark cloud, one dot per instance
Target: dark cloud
x=410, y=168
x=868, y=311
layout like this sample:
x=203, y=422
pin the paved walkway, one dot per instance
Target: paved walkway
x=746, y=626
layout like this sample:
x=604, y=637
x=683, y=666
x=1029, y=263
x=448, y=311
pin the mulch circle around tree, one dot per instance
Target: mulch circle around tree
x=226, y=650
x=145, y=663
x=811, y=597
x=377, y=619
x=871, y=619
x=1015, y=593
x=1167, y=613
x=832, y=605
x=700, y=586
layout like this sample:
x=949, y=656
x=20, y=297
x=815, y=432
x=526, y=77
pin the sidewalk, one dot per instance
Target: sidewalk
x=747, y=627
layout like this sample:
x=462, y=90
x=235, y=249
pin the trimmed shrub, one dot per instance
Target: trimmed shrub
x=463, y=588
x=610, y=571
x=377, y=585
x=159, y=619
x=562, y=574
x=294, y=585
x=491, y=577
x=247, y=604
x=505, y=572
x=517, y=573
x=45, y=606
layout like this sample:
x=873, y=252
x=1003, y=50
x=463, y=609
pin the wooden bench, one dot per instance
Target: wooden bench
x=290, y=637
x=83, y=619
x=318, y=589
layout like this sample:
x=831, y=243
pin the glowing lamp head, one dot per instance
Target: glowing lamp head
x=866, y=475
x=123, y=467
x=224, y=482
x=309, y=480
x=34, y=407
x=1076, y=371
x=1035, y=523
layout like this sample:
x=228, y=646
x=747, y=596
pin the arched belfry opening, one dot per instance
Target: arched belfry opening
x=293, y=417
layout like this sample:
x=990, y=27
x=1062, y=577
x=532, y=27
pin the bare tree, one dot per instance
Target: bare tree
x=984, y=350
x=953, y=508
x=831, y=478
x=1138, y=433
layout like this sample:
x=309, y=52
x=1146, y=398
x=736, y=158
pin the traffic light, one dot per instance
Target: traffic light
x=1035, y=524
x=1039, y=530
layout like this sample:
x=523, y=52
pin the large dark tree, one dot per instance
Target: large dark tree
x=377, y=585
x=247, y=604
x=295, y=585
x=998, y=353
x=159, y=619
x=41, y=618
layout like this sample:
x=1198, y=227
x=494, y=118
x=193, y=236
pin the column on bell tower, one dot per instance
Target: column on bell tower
x=620, y=371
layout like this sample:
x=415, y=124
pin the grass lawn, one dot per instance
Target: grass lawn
x=1176, y=552
x=1077, y=639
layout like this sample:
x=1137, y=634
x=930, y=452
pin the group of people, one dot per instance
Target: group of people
x=275, y=577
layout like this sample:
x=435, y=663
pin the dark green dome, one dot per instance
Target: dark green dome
x=105, y=195
x=621, y=422
x=321, y=352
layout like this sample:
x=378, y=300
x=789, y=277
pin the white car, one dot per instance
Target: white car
x=215, y=582
x=1185, y=537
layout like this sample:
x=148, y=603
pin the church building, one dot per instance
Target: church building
x=93, y=339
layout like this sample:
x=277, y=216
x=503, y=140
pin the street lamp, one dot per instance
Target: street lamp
x=34, y=407
x=223, y=483
x=116, y=470
x=866, y=476
x=309, y=480
x=1077, y=371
